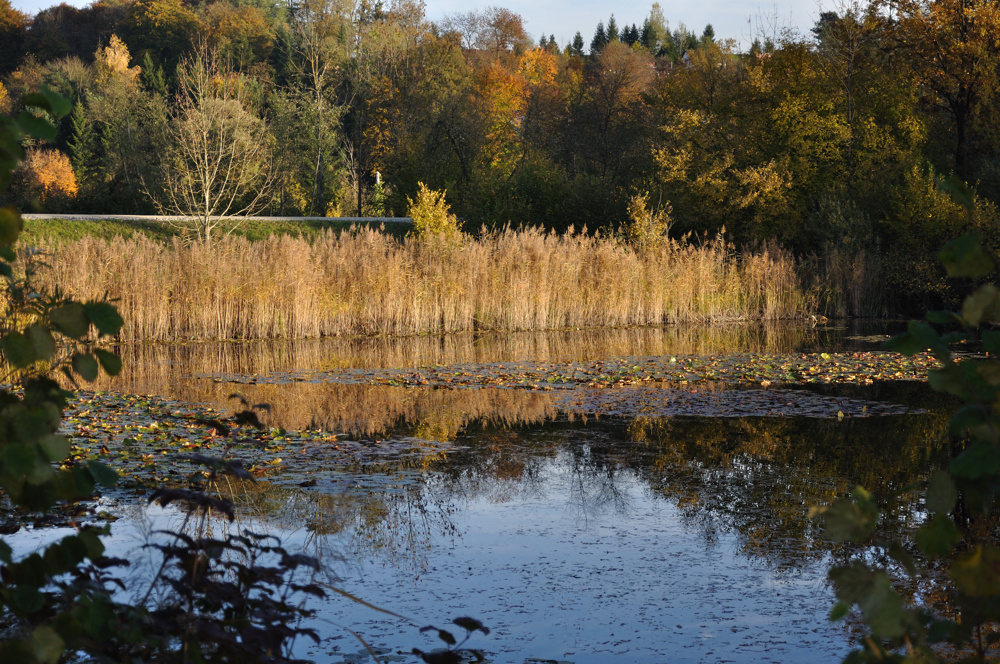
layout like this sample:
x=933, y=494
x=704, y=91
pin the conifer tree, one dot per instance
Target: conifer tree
x=612, y=34
x=152, y=77
x=600, y=39
x=577, y=47
x=647, y=36
x=81, y=144
x=708, y=36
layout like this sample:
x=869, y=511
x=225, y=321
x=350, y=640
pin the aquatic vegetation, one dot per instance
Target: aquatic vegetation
x=862, y=367
x=368, y=283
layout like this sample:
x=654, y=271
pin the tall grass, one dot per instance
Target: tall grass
x=365, y=282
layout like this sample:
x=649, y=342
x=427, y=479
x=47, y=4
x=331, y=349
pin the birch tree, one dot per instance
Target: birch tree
x=216, y=162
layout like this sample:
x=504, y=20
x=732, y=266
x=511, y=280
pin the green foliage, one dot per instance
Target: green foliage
x=40, y=333
x=958, y=500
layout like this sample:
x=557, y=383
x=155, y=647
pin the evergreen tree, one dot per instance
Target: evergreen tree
x=81, y=144
x=648, y=36
x=151, y=76
x=577, y=47
x=613, y=34
x=543, y=42
x=600, y=39
x=708, y=36
x=633, y=35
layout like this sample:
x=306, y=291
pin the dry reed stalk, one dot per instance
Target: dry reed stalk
x=367, y=283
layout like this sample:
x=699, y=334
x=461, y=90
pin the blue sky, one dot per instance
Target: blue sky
x=739, y=19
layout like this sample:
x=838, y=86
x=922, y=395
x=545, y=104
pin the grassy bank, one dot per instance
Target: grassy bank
x=366, y=282
x=58, y=232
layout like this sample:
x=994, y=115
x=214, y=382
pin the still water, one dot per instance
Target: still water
x=615, y=532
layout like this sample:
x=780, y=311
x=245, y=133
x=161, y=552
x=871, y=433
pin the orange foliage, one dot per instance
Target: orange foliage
x=538, y=67
x=503, y=95
x=49, y=174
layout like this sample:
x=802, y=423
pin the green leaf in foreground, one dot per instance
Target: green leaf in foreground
x=86, y=366
x=112, y=363
x=71, y=319
x=942, y=494
x=975, y=572
x=965, y=257
x=980, y=459
x=850, y=520
x=937, y=537
x=11, y=226
x=102, y=474
x=918, y=337
x=105, y=317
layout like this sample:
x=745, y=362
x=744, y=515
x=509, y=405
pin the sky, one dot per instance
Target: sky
x=739, y=19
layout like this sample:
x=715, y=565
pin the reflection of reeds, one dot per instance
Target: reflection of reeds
x=150, y=368
x=171, y=371
x=366, y=282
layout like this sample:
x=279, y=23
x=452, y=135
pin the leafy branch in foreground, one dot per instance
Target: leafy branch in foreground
x=958, y=501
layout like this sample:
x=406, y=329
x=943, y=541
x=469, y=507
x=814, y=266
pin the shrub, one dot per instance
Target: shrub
x=44, y=178
x=431, y=214
x=647, y=230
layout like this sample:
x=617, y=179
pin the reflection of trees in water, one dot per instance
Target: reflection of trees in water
x=158, y=368
x=756, y=477
x=396, y=524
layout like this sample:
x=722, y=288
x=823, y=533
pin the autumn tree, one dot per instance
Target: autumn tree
x=494, y=31
x=49, y=175
x=953, y=49
x=66, y=31
x=13, y=28
x=242, y=34
x=216, y=161
x=164, y=28
x=383, y=60
x=116, y=132
x=619, y=78
x=321, y=45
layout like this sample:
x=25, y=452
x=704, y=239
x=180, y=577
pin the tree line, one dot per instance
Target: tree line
x=834, y=138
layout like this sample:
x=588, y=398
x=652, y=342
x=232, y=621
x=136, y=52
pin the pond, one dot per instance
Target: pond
x=592, y=496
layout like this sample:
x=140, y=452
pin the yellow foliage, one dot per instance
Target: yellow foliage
x=762, y=186
x=333, y=208
x=538, y=67
x=5, y=103
x=49, y=174
x=504, y=97
x=431, y=214
x=299, y=197
x=111, y=61
x=647, y=229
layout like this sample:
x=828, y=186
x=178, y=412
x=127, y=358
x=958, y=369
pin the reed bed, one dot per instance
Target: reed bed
x=368, y=283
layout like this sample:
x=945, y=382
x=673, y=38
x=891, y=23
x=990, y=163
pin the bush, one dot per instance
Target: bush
x=647, y=230
x=45, y=179
x=431, y=214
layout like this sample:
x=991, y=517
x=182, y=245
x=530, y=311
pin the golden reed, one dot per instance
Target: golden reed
x=365, y=282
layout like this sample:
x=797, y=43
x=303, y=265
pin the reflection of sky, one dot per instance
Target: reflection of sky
x=739, y=19
x=575, y=565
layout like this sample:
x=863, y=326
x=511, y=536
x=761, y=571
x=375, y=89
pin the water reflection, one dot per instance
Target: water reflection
x=160, y=368
x=577, y=538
